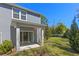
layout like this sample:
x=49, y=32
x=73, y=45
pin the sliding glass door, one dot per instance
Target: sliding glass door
x=26, y=38
x=31, y=37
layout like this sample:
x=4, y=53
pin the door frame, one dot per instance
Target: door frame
x=28, y=34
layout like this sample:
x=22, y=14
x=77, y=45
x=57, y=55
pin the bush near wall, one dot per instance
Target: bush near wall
x=5, y=46
x=40, y=51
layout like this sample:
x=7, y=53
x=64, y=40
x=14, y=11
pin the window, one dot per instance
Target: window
x=15, y=13
x=31, y=36
x=26, y=38
x=23, y=15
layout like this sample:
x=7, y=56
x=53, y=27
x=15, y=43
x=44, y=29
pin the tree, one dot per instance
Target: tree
x=58, y=30
x=74, y=36
x=46, y=30
x=52, y=30
x=66, y=34
x=61, y=28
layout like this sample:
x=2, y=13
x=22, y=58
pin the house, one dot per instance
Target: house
x=21, y=25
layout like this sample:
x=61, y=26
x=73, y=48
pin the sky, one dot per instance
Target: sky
x=55, y=12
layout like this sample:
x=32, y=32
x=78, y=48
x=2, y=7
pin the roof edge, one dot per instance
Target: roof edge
x=26, y=9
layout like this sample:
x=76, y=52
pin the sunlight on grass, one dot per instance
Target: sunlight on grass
x=54, y=46
x=60, y=46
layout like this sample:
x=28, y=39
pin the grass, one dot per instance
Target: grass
x=54, y=46
x=60, y=47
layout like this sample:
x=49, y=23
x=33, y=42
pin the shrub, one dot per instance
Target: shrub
x=35, y=51
x=57, y=35
x=60, y=28
x=24, y=53
x=74, y=36
x=41, y=51
x=66, y=34
x=5, y=46
x=1, y=50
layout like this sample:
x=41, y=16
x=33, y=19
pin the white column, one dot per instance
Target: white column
x=42, y=41
x=19, y=15
x=12, y=13
x=0, y=37
x=37, y=35
x=17, y=39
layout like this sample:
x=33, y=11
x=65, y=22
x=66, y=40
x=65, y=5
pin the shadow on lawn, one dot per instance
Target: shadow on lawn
x=69, y=49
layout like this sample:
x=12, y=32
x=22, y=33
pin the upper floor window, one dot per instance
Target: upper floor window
x=15, y=13
x=23, y=15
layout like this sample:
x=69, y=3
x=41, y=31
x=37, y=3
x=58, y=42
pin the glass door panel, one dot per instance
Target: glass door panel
x=31, y=37
x=26, y=38
x=20, y=38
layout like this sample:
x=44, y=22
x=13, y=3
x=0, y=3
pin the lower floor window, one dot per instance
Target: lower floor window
x=26, y=38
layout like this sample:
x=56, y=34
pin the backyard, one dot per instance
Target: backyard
x=54, y=46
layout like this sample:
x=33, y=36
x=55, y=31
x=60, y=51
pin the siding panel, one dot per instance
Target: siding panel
x=33, y=19
x=5, y=21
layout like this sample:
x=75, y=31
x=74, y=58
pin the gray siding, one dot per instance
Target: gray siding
x=9, y=32
x=33, y=19
x=13, y=35
x=5, y=21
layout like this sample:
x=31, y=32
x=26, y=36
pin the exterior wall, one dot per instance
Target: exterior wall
x=9, y=32
x=5, y=21
x=13, y=35
x=34, y=19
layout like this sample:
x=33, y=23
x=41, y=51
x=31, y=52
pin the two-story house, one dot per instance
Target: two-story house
x=20, y=25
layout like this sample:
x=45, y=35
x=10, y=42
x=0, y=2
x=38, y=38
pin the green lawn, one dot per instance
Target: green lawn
x=54, y=46
x=60, y=47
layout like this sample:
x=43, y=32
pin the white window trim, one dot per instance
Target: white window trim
x=19, y=15
x=24, y=15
